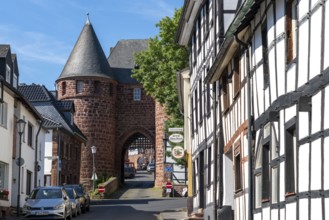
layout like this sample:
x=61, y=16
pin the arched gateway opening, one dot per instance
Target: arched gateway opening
x=138, y=151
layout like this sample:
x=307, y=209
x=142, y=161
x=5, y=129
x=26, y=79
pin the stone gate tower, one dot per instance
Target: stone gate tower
x=87, y=80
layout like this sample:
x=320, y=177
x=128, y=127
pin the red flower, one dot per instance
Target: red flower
x=4, y=192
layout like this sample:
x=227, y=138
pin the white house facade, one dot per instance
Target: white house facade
x=270, y=68
x=13, y=107
x=202, y=28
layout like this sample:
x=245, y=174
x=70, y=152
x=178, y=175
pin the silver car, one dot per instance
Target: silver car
x=75, y=201
x=48, y=203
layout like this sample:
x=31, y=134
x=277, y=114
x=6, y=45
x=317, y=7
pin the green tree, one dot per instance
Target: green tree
x=156, y=67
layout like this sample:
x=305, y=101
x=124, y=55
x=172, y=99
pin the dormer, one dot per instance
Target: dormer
x=8, y=66
x=15, y=72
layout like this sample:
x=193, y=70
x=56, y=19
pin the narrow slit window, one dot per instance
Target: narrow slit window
x=137, y=94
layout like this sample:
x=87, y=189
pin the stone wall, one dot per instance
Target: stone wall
x=134, y=117
x=95, y=115
x=70, y=151
x=160, y=117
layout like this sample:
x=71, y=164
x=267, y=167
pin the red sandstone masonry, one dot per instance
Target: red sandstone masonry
x=108, y=122
x=159, y=122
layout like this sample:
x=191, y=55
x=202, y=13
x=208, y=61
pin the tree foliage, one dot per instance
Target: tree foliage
x=158, y=65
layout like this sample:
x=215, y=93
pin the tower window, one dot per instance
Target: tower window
x=137, y=94
x=111, y=89
x=63, y=88
x=97, y=87
x=79, y=86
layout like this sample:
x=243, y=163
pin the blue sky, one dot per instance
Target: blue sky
x=43, y=32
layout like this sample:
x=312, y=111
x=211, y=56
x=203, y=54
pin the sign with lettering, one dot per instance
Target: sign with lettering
x=176, y=138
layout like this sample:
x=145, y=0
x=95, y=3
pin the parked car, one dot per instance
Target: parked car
x=150, y=167
x=75, y=201
x=129, y=172
x=131, y=164
x=83, y=196
x=49, y=202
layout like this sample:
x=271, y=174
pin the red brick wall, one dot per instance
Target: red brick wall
x=108, y=122
x=160, y=117
x=133, y=117
x=70, y=158
x=95, y=115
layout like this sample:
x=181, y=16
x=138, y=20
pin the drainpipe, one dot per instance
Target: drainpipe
x=58, y=153
x=250, y=121
x=215, y=152
x=36, y=156
x=214, y=117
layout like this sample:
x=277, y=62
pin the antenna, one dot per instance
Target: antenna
x=88, y=21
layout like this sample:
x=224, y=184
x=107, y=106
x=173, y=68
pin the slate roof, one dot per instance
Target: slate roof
x=4, y=49
x=121, y=59
x=65, y=105
x=50, y=108
x=35, y=93
x=87, y=57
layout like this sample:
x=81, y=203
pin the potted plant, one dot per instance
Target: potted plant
x=4, y=194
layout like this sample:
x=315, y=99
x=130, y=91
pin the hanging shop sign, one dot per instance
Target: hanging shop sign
x=178, y=152
x=176, y=138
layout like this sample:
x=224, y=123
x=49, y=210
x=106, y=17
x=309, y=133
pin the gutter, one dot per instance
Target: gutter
x=36, y=163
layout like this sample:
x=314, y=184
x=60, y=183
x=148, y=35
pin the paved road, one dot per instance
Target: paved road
x=138, y=200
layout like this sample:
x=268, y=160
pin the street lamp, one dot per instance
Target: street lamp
x=93, y=151
x=20, y=129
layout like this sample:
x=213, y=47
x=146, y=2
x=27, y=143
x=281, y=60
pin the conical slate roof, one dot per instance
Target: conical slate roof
x=87, y=57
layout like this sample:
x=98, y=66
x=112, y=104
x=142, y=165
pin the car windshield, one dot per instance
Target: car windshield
x=79, y=190
x=46, y=194
x=70, y=193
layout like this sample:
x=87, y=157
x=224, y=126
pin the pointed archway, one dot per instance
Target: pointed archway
x=138, y=148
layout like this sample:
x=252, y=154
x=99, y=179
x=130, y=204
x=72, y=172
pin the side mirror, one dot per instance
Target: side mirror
x=26, y=198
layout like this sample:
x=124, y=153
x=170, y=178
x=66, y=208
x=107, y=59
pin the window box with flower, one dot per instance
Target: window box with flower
x=4, y=194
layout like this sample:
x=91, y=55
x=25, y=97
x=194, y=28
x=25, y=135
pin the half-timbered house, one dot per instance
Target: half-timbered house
x=202, y=28
x=271, y=69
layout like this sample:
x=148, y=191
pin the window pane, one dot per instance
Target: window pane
x=258, y=191
x=30, y=135
x=79, y=86
x=3, y=176
x=137, y=94
x=275, y=185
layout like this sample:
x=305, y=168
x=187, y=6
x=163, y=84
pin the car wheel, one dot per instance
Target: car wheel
x=71, y=213
x=65, y=215
x=79, y=210
x=83, y=208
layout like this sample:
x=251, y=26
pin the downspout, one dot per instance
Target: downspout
x=36, y=164
x=250, y=121
x=215, y=152
x=58, y=154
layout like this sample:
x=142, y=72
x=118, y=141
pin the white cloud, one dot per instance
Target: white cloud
x=34, y=46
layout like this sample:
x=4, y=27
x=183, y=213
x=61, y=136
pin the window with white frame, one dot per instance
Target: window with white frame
x=79, y=86
x=290, y=168
x=30, y=134
x=28, y=182
x=3, y=175
x=137, y=94
x=15, y=81
x=8, y=71
x=3, y=114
